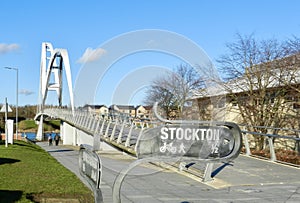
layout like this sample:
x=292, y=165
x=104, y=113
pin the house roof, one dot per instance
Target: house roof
x=145, y=107
x=256, y=78
x=94, y=106
x=122, y=107
x=148, y=107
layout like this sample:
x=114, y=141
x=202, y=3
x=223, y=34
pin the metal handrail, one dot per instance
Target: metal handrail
x=271, y=144
x=269, y=127
x=85, y=121
x=271, y=135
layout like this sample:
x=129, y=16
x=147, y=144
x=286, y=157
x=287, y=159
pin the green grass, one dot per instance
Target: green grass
x=54, y=123
x=30, y=125
x=27, y=125
x=28, y=174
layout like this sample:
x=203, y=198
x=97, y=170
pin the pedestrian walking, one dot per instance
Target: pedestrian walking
x=56, y=138
x=50, y=139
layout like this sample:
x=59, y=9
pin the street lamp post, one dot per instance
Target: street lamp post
x=17, y=96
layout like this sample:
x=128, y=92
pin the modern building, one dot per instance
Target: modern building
x=266, y=94
x=138, y=112
x=99, y=110
x=143, y=112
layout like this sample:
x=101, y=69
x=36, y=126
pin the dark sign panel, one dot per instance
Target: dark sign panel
x=90, y=166
x=194, y=141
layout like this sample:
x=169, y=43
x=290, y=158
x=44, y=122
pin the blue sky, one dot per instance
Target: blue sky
x=79, y=26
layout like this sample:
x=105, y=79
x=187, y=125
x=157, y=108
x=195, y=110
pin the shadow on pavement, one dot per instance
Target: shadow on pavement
x=61, y=150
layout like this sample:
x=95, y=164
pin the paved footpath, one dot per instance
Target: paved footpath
x=249, y=180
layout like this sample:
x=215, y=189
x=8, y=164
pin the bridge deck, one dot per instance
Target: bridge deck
x=249, y=180
x=249, y=171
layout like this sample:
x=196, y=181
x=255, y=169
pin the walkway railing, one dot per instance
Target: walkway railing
x=118, y=131
x=278, y=144
x=123, y=133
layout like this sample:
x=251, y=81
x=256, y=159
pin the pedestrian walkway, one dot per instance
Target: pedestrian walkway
x=67, y=156
x=248, y=180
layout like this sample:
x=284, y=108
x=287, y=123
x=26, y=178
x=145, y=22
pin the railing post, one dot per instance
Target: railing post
x=107, y=128
x=95, y=125
x=207, y=172
x=72, y=116
x=127, y=143
x=89, y=125
x=121, y=132
x=87, y=119
x=81, y=119
x=142, y=129
x=77, y=118
x=112, y=136
x=96, y=144
x=246, y=142
x=272, y=150
x=102, y=125
x=297, y=144
x=98, y=126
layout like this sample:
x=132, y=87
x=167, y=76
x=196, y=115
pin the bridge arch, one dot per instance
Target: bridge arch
x=53, y=62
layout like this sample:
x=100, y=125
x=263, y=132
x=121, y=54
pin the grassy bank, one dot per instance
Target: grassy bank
x=31, y=126
x=29, y=174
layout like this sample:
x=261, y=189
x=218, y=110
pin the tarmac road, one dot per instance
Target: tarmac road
x=248, y=180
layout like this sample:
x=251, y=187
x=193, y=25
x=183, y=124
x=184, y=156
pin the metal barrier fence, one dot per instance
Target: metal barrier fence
x=118, y=131
x=281, y=146
x=123, y=133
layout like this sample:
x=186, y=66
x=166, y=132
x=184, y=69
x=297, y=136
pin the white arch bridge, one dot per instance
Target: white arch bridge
x=79, y=126
x=83, y=127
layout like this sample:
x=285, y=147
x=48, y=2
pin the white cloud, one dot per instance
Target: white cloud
x=26, y=92
x=91, y=55
x=4, y=48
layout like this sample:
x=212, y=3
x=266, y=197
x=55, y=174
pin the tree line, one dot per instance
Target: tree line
x=26, y=112
x=259, y=77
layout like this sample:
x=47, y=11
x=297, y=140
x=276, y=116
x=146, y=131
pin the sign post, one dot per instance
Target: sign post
x=90, y=168
x=10, y=131
x=182, y=140
x=216, y=142
x=5, y=108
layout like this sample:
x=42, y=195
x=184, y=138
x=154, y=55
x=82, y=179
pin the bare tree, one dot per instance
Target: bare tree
x=172, y=90
x=292, y=46
x=260, y=76
x=158, y=92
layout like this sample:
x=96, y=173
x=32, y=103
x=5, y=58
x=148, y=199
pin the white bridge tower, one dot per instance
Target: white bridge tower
x=52, y=63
